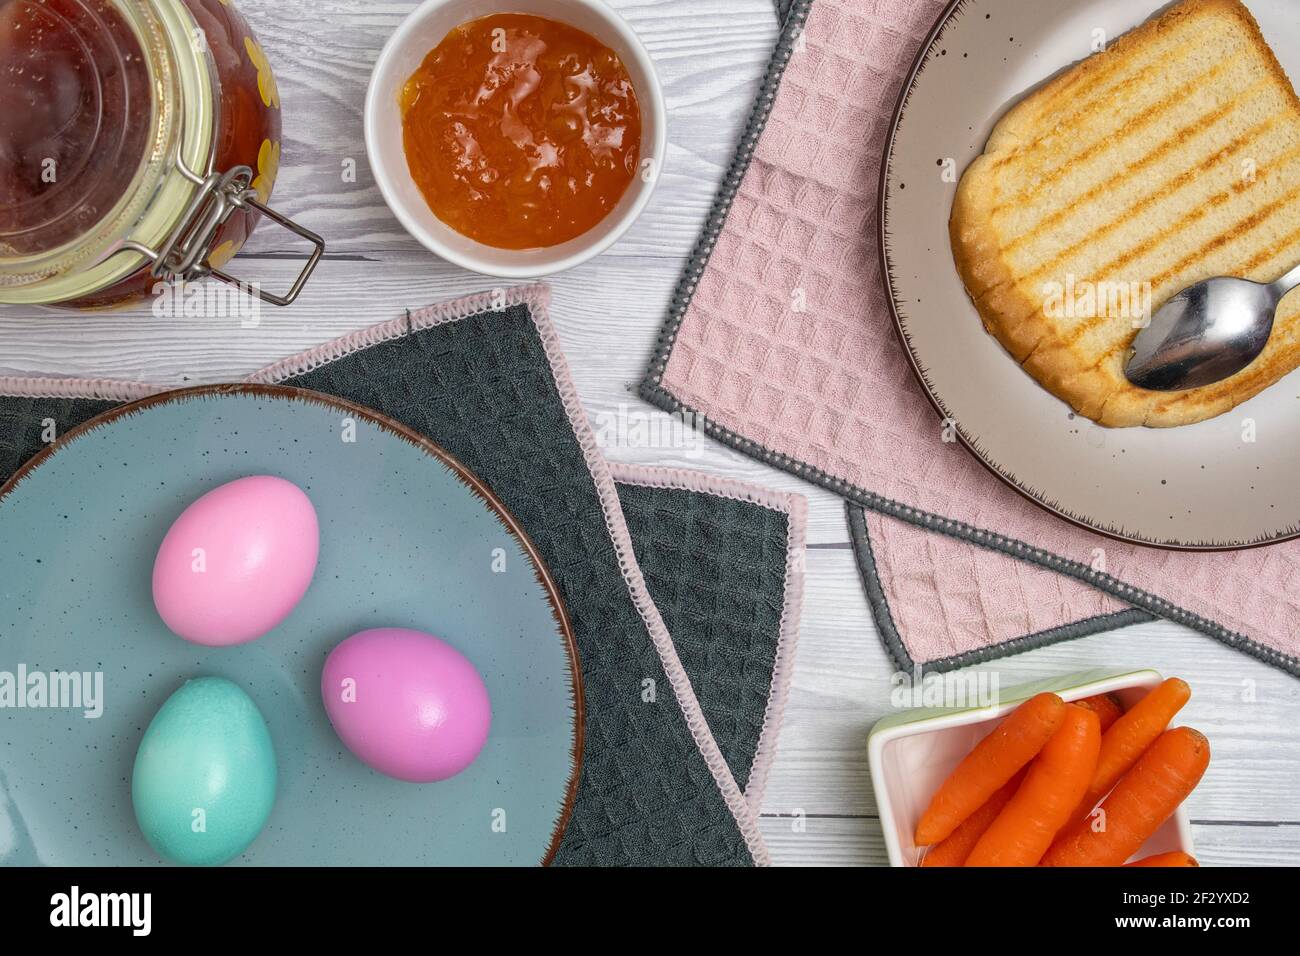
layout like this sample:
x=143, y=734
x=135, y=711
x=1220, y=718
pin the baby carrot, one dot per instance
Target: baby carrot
x=953, y=850
x=992, y=763
x=1107, y=708
x=1144, y=798
x=1176, y=858
x=1045, y=801
x=1130, y=736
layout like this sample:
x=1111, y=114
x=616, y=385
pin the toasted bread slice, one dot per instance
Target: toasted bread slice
x=1172, y=157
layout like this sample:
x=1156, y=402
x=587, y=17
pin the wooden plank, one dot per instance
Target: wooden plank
x=856, y=841
x=842, y=676
x=709, y=56
x=842, y=686
x=605, y=312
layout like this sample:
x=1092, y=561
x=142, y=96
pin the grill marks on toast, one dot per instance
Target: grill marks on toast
x=1149, y=244
x=1167, y=190
x=1256, y=377
x=1279, y=258
x=1181, y=138
x=1088, y=87
x=1236, y=232
x=1104, y=143
x=1130, y=170
x=1163, y=284
x=1090, y=108
x=1133, y=208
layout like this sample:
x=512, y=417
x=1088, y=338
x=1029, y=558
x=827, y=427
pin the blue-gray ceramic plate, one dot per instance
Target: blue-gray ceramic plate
x=409, y=538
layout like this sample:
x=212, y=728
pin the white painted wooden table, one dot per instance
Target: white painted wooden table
x=710, y=54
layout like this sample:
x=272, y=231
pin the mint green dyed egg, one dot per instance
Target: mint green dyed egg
x=204, y=778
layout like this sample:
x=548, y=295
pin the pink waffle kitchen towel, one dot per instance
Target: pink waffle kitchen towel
x=781, y=337
x=957, y=604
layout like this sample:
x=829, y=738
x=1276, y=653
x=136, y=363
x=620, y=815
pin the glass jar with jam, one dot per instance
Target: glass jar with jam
x=139, y=142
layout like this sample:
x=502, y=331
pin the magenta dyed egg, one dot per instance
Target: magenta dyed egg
x=237, y=561
x=406, y=703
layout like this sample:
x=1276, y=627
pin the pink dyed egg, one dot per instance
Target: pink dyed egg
x=406, y=703
x=236, y=561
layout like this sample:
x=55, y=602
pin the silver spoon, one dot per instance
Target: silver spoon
x=1206, y=333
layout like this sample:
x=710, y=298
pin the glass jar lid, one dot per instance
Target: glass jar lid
x=107, y=102
x=110, y=166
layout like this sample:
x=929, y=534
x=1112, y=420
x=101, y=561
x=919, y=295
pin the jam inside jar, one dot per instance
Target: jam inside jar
x=122, y=117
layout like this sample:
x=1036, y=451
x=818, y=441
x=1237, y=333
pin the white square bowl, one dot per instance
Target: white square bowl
x=911, y=753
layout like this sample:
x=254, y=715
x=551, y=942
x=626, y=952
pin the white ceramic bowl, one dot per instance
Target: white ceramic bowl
x=911, y=753
x=402, y=54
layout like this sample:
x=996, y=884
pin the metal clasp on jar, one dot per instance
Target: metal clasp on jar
x=184, y=255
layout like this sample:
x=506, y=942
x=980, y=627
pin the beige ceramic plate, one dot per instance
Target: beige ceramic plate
x=1196, y=487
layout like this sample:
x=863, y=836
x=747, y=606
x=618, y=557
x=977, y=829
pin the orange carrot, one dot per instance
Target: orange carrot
x=1130, y=736
x=1144, y=798
x=1045, y=801
x=993, y=762
x=1176, y=858
x=1106, y=706
x=953, y=850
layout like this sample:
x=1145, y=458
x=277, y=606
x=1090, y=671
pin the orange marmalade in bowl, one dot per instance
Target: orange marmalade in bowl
x=521, y=132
